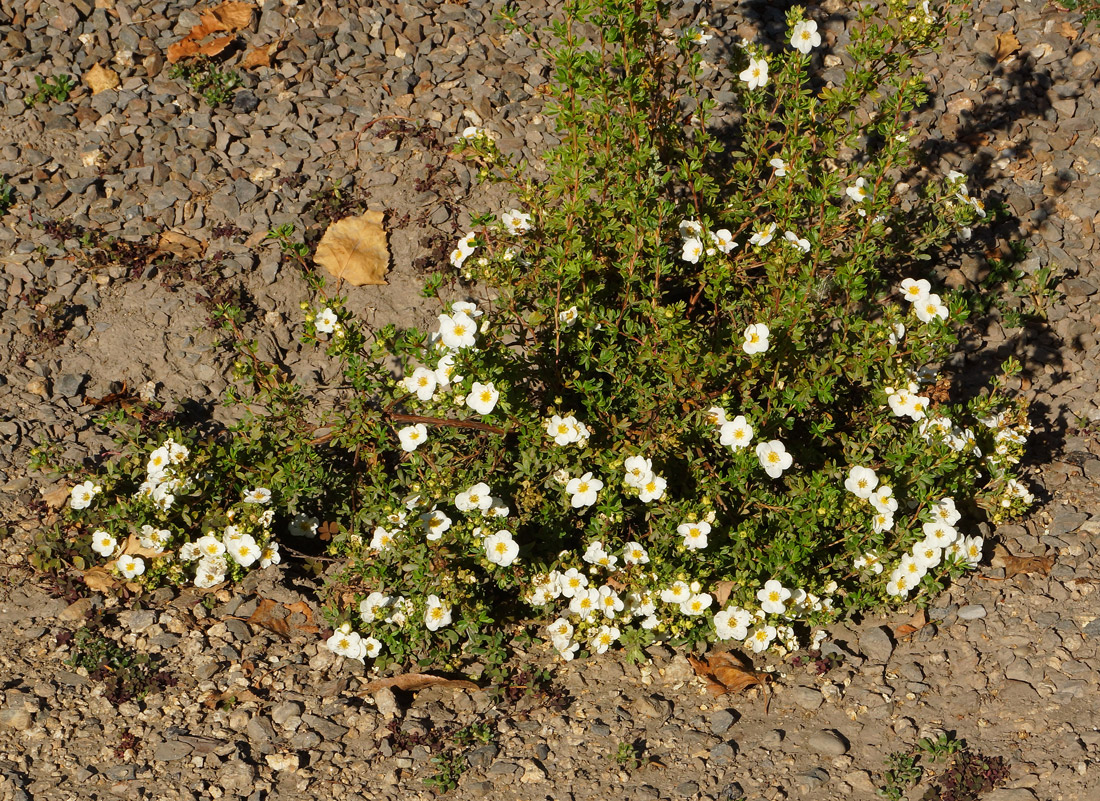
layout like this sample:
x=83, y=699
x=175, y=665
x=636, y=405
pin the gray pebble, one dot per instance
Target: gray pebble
x=69, y=384
x=721, y=720
x=829, y=743
x=972, y=612
x=875, y=643
x=171, y=751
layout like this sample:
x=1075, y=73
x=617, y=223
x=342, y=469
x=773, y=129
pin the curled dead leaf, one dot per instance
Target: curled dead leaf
x=722, y=592
x=1027, y=563
x=917, y=622
x=232, y=696
x=99, y=579
x=725, y=672
x=354, y=249
x=411, y=682
x=100, y=79
x=57, y=497
x=259, y=56
x=133, y=547
x=177, y=244
x=1007, y=45
x=269, y=616
x=229, y=17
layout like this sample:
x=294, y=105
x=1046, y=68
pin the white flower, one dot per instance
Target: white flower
x=638, y=470
x=780, y=167
x=677, y=593
x=868, y=561
x=603, y=638
x=130, y=566
x=940, y=533
x=694, y=534
x=723, y=240
x=972, y=549
x=610, y=602
x=762, y=234
x=930, y=308
x=372, y=647
x=482, y=398
x=154, y=539
x=437, y=614
x=210, y=572
x=444, y=369
x=463, y=250
x=270, y=555
x=883, y=500
x=915, y=291
x=571, y=582
x=476, y=497
x=732, y=623
x=561, y=632
x=635, y=554
x=773, y=457
x=210, y=546
x=303, y=526
x=804, y=36
x=500, y=548
x=716, y=416
x=347, y=643
x=412, y=436
x=596, y=554
x=423, y=382
x=861, y=482
x=189, y=552
x=736, y=434
x=945, y=511
x=370, y=606
x=325, y=322
x=563, y=430
x=800, y=243
x=693, y=249
x=696, y=605
x=857, y=191
x=568, y=317
x=756, y=339
x=244, y=551
x=82, y=495
x=435, y=523
x=159, y=461
x=584, y=603
x=900, y=583
x=690, y=229
x=896, y=333
x=773, y=597
x=472, y=132
x=756, y=74
x=457, y=330
x=516, y=221
x=760, y=637
x=583, y=490
x=381, y=539
x=103, y=543
x=653, y=489
x=882, y=521
x=927, y=554
x=257, y=495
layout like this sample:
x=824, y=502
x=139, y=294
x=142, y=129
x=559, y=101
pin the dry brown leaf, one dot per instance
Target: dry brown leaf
x=259, y=56
x=234, y=696
x=58, y=496
x=180, y=245
x=411, y=682
x=1016, y=565
x=726, y=673
x=264, y=618
x=354, y=249
x=133, y=547
x=1069, y=31
x=1007, y=45
x=99, y=580
x=229, y=17
x=722, y=592
x=100, y=79
x=917, y=622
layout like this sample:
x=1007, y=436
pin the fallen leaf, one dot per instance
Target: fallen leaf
x=229, y=17
x=264, y=618
x=722, y=591
x=1015, y=565
x=1069, y=31
x=122, y=396
x=1007, y=45
x=99, y=580
x=726, y=673
x=181, y=245
x=916, y=623
x=327, y=530
x=57, y=497
x=354, y=249
x=100, y=79
x=233, y=696
x=411, y=682
x=133, y=547
x=259, y=56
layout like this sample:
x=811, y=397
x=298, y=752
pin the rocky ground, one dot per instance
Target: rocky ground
x=1009, y=660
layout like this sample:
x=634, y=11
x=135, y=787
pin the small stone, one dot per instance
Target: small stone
x=876, y=645
x=171, y=751
x=829, y=743
x=721, y=721
x=533, y=772
x=812, y=779
x=199, y=138
x=285, y=711
x=282, y=762
x=809, y=698
x=19, y=718
x=772, y=739
x=722, y=754
x=326, y=728
x=1005, y=794
x=386, y=702
x=68, y=385
x=245, y=102
x=972, y=612
x=76, y=611
x=687, y=789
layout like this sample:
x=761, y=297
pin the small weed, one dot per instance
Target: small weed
x=902, y=773
x=206, y=78
x=127, y=742
x=942, y=747
x=451, y=765
x=628, y=756
x=816, y=661
x=480, y=733
x=535, y=683
x=7, y=196
x=56, y=89
x=125, y=674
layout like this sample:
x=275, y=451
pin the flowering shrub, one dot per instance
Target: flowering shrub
x=696, y=398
